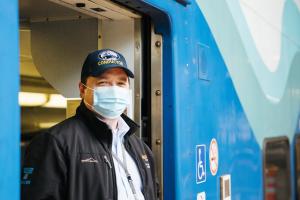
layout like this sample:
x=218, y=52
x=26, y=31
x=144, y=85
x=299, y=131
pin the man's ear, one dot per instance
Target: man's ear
x=81, y=89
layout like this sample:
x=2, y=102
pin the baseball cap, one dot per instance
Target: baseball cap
x=99, y=61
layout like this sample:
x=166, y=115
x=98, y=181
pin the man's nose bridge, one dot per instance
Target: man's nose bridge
x=113, y=82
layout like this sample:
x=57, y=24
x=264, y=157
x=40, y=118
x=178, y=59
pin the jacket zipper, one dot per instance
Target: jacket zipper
x=114, y=176
x=108, y=160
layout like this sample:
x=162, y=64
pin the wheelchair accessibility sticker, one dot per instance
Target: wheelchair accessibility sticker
x=200, y=163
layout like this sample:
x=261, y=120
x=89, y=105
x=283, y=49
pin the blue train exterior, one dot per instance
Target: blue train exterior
x=230, y=74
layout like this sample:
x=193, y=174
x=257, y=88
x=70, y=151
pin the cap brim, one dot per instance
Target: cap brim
x=104, y=68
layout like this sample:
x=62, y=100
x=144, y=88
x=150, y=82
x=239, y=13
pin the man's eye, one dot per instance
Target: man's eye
x=122, y=83
x=102, y=83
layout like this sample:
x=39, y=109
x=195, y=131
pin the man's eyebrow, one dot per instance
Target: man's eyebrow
x=102, y=77
x=123, y=78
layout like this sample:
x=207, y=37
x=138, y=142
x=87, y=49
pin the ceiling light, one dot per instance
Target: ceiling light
x=32, y=99
x=47, y=124
x=56, y=101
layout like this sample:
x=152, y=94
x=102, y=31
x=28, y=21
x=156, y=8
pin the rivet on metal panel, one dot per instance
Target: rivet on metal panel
x=137, y=45
x=158, y=44
x=157, y=92
x=158, y=142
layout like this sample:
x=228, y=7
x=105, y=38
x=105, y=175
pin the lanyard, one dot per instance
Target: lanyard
x=128, y=175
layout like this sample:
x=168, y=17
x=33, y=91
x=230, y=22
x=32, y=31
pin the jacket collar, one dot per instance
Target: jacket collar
x=99, y=128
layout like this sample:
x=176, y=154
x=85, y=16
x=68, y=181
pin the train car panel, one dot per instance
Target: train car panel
x=9, y=123
x=245, y=101
x=260, y=44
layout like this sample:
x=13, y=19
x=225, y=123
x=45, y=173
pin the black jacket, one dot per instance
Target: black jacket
x=54, y=169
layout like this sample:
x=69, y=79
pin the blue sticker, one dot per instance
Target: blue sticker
x=200, y=163
x=26, y=171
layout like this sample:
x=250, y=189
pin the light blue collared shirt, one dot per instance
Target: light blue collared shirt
x=124, y=190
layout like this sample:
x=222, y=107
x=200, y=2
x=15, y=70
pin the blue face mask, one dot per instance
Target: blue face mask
x=110, y=101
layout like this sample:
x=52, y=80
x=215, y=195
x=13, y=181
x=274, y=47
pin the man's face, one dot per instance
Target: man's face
x=111, y=77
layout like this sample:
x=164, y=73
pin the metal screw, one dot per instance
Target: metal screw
x=157, y=43
x=158, y=142
x=157, y=92
x=137, y=45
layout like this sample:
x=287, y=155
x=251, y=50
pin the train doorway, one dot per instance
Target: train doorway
x=55, y=37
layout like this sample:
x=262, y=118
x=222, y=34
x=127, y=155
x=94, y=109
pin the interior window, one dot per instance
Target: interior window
x=276, y=168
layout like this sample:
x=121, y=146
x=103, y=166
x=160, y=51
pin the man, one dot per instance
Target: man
x=95, y=154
